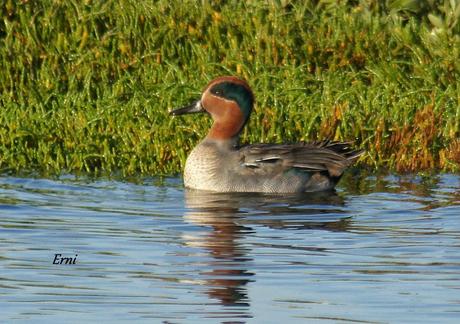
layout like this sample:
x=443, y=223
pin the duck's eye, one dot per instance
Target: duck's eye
x=217, y=92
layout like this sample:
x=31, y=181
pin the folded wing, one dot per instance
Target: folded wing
x=333, y=157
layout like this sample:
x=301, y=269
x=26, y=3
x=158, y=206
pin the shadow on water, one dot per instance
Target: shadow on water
x=230, y=217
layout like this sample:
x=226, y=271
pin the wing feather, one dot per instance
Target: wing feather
x=329, y=156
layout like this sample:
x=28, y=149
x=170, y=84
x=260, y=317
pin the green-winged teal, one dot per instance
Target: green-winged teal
x=218, y=163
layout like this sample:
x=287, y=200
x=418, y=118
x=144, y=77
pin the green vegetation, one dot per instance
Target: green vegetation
x=85, y=86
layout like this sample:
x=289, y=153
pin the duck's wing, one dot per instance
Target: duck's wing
x=330, y=156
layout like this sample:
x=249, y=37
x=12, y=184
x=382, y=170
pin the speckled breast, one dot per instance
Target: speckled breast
x=202, y=169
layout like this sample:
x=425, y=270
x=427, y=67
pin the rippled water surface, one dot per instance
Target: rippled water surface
x=382, y=249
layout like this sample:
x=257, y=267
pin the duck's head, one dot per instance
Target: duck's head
x=229, y=101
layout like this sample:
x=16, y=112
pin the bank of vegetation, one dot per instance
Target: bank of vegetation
x=85, y=86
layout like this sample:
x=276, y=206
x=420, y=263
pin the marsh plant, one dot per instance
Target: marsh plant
x=85, y=86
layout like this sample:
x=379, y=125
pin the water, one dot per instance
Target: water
x=383, y=249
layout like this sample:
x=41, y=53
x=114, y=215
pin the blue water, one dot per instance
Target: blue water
x=382, y=249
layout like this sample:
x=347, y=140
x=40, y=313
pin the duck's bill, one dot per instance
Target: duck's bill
x=195, y=107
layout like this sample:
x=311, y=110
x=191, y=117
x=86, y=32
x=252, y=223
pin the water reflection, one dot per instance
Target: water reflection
x=432, y=191
x=382, y=245
x=228, y=272
x=230, y=217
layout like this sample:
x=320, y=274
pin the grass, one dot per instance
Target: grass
x=85, y=86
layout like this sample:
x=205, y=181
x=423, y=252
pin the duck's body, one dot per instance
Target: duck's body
x=219, y=164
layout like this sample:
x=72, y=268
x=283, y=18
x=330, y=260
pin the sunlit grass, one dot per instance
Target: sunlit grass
x=86, y=85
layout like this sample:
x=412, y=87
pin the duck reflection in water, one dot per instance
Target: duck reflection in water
x=231, y=217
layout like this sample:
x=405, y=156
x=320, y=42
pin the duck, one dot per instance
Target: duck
x=220, y=164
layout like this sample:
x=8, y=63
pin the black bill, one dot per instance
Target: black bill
x=195, y=107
